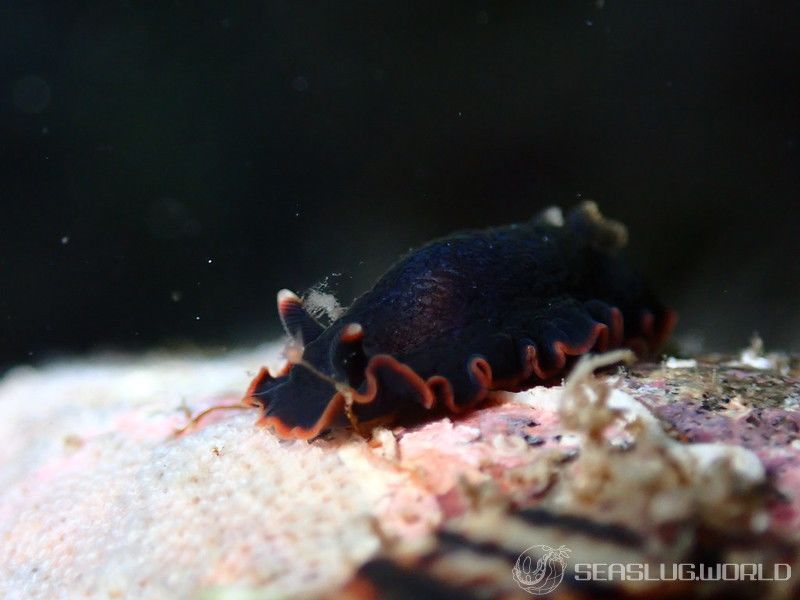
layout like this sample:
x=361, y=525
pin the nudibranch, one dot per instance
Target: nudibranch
x=505, y=308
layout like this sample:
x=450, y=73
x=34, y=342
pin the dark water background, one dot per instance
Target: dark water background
x=165, y=167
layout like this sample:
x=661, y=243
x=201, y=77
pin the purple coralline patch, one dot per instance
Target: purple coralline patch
x=719, y=401
x=756, y=429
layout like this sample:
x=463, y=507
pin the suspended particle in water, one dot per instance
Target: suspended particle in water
x=299, y=84
x=31, y=94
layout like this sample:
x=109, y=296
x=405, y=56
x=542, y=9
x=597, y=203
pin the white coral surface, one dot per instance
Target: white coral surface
x=98, y=499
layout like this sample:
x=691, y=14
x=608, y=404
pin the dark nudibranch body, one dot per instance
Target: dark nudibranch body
x=506, y=308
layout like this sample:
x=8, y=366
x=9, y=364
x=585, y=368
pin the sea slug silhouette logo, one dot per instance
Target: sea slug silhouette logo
x=540, y=569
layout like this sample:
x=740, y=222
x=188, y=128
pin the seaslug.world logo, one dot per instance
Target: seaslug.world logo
x=540, y=569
